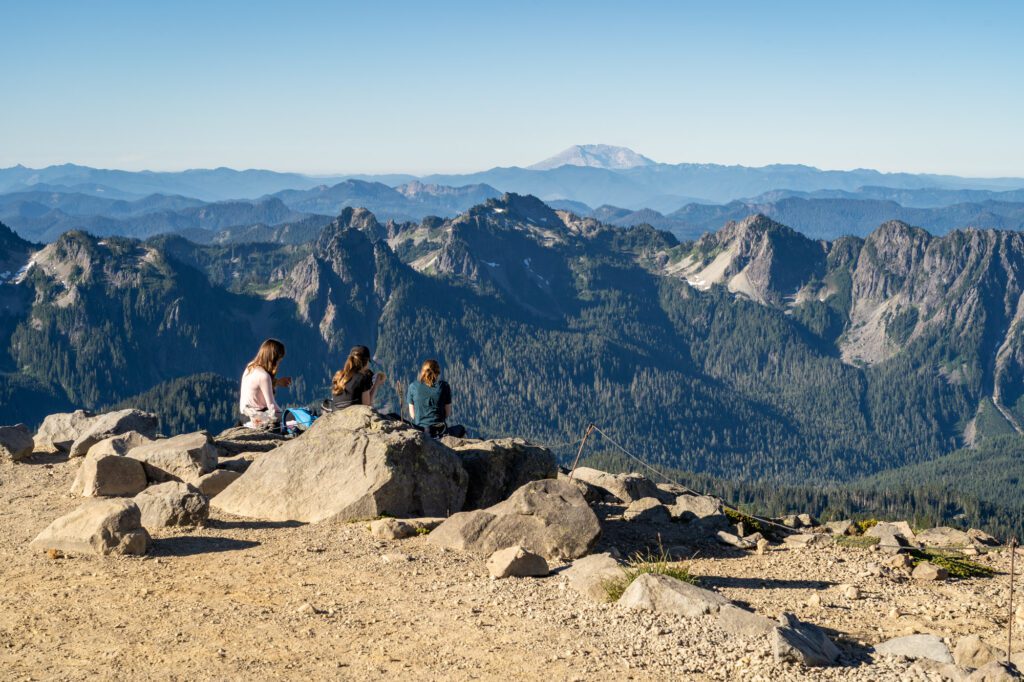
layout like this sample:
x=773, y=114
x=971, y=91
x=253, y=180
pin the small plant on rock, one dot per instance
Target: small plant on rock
x=659, y=563
x=956, y=566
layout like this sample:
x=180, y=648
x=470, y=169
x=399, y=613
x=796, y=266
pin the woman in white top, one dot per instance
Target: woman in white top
x=258, y=383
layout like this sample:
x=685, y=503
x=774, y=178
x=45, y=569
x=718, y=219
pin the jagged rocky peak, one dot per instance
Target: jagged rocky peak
x=755, y=257
x=515, y=211
x=352, y=219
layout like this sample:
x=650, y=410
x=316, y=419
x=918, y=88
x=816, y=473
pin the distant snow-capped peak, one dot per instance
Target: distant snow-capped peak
x=595, y=156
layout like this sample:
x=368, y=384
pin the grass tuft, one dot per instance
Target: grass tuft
x=639, y=564
x=956, y=565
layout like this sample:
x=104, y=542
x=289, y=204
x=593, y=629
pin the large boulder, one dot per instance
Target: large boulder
x=548, y=517
x=497, y=468
x=892, y=536
x=239, y=439
x=944, y=536
x=172, y=504
x=626, y=488
x=108, y=476
x=59, y=431
x=665, y=594
x=110, y=526
x=973, y=652
x=185, y=458
x=15, y=443
x=112, y=424
x=803, y=643
x=351, y=464
x=647, y=510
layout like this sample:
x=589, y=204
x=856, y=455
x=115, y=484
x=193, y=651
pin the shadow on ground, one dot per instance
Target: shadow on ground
x=185, y=545
x=247, y=524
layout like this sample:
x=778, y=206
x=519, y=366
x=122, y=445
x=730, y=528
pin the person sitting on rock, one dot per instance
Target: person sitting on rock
x=354, y=384
x=259, y=380
x=430, y=402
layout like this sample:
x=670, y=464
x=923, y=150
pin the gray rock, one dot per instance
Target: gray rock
x=102, y=526
x=516, y=562
x=803, y=540
x=840, y=527
x=240, y=439
x=497, y=468
x=398, y=529
x=647, y=510
x=981, y=538
x=916, y=646
x=118, y=445
x=351, y=464
x=624, y=487
x=925, y=668
x=591, y=574
x=690, y=507
x=172, y=504
x=944, y=536
x=109, y=475
x=185, y=458
x=803, y=643
x=806, y=521
x=548, y=517
x=927, y=571
x=111, y=424
x=727, y=538
x=591, y=494
x=665, y=594
x=972, y=652
x=737, y=621
x=996, y=671
x=892, y=536
x=59, y=431
x=15, y=443
x=214, y=483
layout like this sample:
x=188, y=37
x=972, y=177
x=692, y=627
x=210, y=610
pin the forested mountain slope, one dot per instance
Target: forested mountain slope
x=832, y=360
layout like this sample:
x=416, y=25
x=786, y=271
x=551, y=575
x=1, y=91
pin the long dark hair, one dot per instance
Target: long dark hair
x=268, y=357
x=358, y=361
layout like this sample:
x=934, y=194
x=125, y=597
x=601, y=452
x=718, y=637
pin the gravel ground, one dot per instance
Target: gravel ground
x=240, y=599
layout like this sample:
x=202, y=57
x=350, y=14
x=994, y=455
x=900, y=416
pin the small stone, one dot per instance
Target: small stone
x=851, y=592
x=395, y=558
x=814, y=601
x=899, y=561
x=927, y=571
x=762, y=546
x=15, y=442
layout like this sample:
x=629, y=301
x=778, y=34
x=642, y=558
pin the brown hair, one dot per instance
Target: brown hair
x=268, y=357
x=429, y=372
x=358, y=361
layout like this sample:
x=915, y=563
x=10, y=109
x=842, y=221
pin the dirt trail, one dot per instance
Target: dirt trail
x=249, y=600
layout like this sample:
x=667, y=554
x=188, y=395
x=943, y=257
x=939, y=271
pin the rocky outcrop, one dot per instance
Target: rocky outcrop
x=112, y=526
x=497, y=468
x=111, y=424
x=548, y=517
x=59, y=431
x=172, y=504
x=119, y=444
x=185, y=458
x=351, y=464
x=15, y=443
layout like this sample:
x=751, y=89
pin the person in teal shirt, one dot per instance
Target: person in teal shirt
x=430, y=402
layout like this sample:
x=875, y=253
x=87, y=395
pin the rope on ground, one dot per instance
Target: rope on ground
x=725, y=505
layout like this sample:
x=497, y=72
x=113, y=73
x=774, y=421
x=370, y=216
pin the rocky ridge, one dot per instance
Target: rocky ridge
x=767, y=604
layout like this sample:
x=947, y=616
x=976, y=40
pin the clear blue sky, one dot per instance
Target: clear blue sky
x=423, y=86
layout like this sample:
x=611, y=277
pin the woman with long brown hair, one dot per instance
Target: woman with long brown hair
x=259, y=380
x=430, y=402
x=355, y=383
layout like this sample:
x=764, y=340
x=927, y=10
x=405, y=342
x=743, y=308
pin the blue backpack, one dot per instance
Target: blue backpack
x=295, y=420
